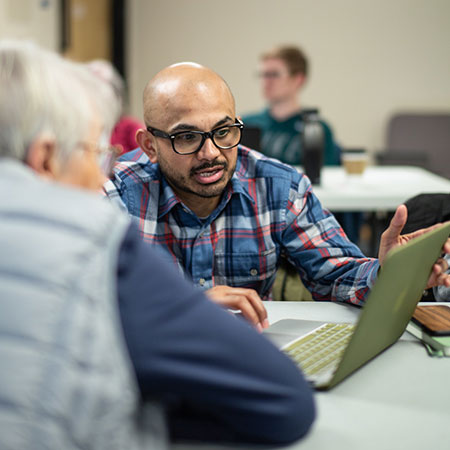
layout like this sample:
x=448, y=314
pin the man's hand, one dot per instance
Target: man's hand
x=391, y=238
x=245, y=300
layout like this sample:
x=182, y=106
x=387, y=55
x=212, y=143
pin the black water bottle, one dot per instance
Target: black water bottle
x=313, y=145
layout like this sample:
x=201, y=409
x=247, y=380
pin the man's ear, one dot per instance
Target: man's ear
x=146, y=142
x=301, y=80
x=42, y=158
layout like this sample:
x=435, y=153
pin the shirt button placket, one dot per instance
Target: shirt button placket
x=201, y=258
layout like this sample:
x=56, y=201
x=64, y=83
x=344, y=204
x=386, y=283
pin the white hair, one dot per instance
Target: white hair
x=106, y=71
x=103, y=95
x=40, y=94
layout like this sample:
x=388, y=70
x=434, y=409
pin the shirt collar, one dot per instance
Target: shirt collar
x=169, y=199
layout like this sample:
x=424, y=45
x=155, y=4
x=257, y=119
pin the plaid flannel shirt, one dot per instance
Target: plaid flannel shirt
x=267, y=210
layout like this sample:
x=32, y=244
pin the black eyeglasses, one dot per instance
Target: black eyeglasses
x=270, y=74
x=188, y=142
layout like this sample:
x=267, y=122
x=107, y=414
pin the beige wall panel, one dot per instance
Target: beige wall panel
x=36, y=20
x=368, y=58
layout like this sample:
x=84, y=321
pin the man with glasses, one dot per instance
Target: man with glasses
x=225, y=214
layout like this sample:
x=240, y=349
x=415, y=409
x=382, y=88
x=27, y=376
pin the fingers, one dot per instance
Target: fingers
x=397, y=223
x=443, y=279
x=245, y=300
x=391, y=236
x=438, y=276
x=248, y=311
x=251, y=301
x=250, y=304
x=418, y=233
x=446, y=246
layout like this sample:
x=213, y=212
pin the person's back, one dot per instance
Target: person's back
x=61, y=321
x=65, y=379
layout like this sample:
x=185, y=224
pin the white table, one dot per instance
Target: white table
x=378, y=191
x=399, y=400
x=380, y=188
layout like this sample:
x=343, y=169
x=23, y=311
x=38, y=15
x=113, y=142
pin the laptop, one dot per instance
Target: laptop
x=383, y=319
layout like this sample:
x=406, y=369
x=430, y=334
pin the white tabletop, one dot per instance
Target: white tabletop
x=399, y=400
x=380, y=188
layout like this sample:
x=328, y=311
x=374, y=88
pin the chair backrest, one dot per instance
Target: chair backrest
x=420, y=139
x=425, y=210
x=251, y=137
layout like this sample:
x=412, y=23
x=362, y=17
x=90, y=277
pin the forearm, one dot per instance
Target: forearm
x=330, y=265
x=343, y=279
x=234, y=382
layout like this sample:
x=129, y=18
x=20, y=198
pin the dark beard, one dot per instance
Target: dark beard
x=208, y=191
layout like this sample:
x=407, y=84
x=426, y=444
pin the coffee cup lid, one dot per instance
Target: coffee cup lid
x=353, y=150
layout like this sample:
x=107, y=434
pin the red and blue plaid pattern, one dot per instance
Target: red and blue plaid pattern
x=268, y=210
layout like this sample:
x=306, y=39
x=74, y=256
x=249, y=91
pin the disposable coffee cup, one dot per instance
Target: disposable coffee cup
x=354, y=161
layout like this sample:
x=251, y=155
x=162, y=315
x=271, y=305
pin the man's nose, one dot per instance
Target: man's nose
x=208, y=151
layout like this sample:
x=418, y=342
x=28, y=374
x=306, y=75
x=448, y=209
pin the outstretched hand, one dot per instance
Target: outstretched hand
x=391, y=238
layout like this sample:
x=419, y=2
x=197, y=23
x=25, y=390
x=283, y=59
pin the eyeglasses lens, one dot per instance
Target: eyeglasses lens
x=225, y=137
x=187, y=142
x=106, y=160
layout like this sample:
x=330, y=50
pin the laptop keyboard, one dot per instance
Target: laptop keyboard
x=322, y=349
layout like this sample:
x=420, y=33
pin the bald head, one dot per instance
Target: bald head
x=173, y=89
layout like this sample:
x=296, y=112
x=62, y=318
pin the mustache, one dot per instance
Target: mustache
x=210, y=165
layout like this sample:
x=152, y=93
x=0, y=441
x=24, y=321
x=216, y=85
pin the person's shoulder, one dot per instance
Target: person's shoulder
x=326, y=126
x=79, y=208
x=252, y=164
x=134, y=166
x=268, y=179
x=258, y=118
x=136, y=156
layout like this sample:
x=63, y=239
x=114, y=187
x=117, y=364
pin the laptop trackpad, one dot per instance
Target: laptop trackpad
x=286, y=330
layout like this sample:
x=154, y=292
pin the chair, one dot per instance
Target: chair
x=251, y=137
x=420, y=139
x=288, y=285
x=425, y=210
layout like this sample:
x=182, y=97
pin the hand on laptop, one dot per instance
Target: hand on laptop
x=245, y=300
x=391, y=238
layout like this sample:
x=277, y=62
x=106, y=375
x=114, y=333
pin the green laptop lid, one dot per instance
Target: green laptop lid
x=392, y=300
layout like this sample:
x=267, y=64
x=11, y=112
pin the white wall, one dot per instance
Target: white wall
x=37, y=20
x=369, y=58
